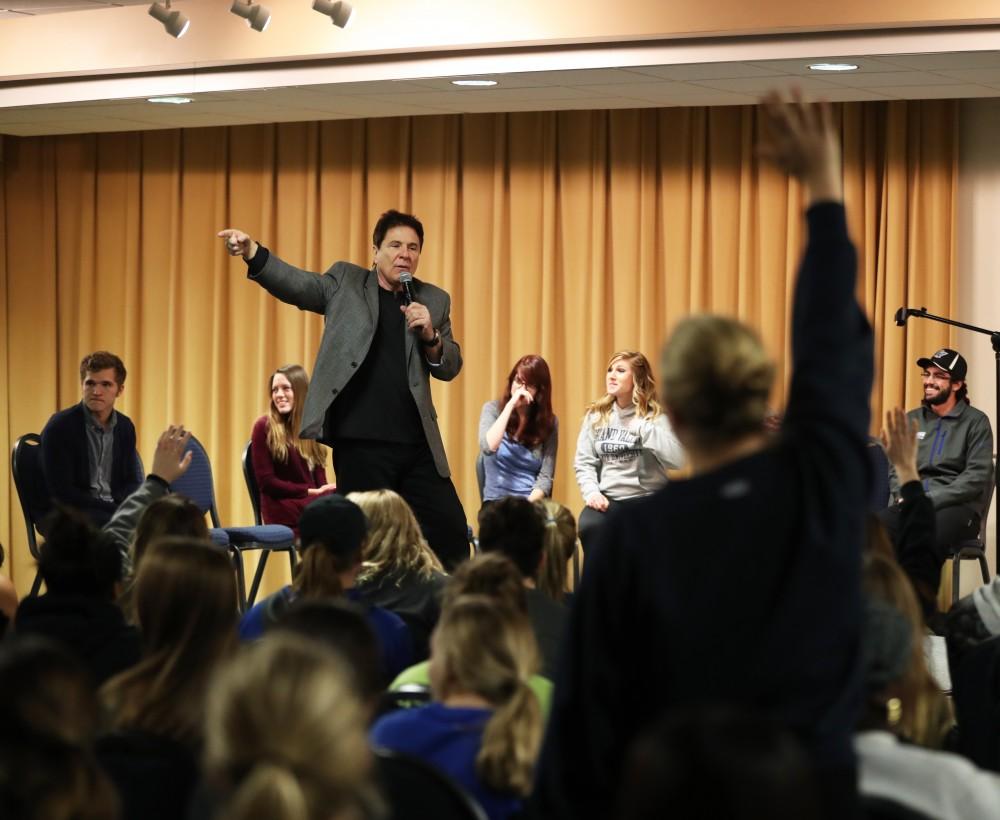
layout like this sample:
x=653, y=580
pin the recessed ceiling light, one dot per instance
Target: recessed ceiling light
x=474, y=83
x=170, y=100
x=833, y=67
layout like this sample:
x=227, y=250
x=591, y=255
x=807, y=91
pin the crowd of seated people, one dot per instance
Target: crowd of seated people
x=745, y=642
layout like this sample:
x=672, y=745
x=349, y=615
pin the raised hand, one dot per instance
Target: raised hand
x=170, y=461
x=800, y=138
x=238, y=243
x=899, y=438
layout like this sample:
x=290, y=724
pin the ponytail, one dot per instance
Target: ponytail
x=506, y=759
x=318, y=573
x=490, y=651
x=268, y=790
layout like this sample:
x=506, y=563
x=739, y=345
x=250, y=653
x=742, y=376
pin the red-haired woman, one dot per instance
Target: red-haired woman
x=519, y=434
x=289, y=470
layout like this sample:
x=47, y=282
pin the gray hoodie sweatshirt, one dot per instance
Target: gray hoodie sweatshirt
x=627, y=457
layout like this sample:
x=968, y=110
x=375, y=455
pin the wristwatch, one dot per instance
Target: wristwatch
x=434, y=339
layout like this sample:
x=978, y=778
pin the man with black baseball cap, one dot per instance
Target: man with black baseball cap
x=954, y=462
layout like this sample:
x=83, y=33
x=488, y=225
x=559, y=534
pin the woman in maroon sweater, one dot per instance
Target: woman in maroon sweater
x=289, y=470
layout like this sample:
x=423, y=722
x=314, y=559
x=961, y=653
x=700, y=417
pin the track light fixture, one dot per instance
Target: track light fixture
x=258, y=17
x=173, y=21
x=340, y=12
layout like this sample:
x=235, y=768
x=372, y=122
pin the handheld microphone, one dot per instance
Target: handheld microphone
x=406, y=280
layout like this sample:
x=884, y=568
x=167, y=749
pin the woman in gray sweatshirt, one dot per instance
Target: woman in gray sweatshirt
x=625, y=444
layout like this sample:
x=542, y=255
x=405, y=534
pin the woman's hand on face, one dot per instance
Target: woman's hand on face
x=598, y=502
x=521, y=396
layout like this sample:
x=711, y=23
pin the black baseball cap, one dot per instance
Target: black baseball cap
x=336, y=522
x=950, y=361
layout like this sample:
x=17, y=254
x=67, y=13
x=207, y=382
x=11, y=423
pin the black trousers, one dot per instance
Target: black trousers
x=409, y=470
x=951, y=525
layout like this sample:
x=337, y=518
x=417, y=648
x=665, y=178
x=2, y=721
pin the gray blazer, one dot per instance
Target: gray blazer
x=347, y=296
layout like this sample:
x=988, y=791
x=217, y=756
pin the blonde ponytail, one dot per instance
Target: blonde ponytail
x=506, y=759
x=270, y=791
x=490, y=651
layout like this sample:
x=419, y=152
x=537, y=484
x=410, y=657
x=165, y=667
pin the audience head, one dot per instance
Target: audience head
x=483, y=649
x=395, y=542
x=515, y=527
x=530, y=424
x=559, y=546
x=493, y=575
x=343, y=627
x=44, y=688
x=332, y=533
x=170, y=515
x=186, y=606
x=716, y=381
x=49, y=713
x=77, y=559
x=717, y=764
x=285, y=734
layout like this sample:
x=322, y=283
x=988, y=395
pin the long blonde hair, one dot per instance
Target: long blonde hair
x=285, y=732
x=395, y=541
x=185, y=601
x=643, y=390
x=283, y=431
x=488, y=650
x=926, y=713
x=558, y=547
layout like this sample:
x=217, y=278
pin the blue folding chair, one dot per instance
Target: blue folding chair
x=197, y=484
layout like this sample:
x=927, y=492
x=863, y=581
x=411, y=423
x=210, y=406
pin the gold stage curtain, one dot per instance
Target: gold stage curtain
x=569, y=234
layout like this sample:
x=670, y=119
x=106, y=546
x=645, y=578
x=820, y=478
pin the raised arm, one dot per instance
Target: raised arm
x=831, y=338
x=302, y=289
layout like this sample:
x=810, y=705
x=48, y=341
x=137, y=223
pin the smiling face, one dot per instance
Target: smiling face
x=938, y=386
x=282, y=395
x=399, y=251
x=619, y=381
x=100, y=389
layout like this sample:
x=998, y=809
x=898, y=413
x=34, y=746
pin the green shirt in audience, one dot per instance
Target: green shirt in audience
x=419, y=675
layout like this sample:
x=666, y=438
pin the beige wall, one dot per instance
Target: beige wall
x=126, y=39
x=978, y=275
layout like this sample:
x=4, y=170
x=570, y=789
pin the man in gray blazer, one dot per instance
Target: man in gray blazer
x=370, y=397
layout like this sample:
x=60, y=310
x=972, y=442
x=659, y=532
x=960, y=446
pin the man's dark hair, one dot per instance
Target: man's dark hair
x=77, y=559
x=514, y=527
x=393, y=219
x=962, y=394
x=102, y=360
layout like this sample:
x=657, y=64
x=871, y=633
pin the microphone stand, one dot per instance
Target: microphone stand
x=995, y=341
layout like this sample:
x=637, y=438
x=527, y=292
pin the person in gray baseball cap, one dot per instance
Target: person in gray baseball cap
x=954, y=469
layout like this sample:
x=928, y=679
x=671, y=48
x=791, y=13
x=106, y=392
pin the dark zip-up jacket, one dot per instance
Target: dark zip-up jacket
x=954, y=456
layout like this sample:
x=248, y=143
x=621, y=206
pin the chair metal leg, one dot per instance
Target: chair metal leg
x=241, y=581
x=956, y=564
x=257, y=576
x=984, y=568
x=576, y=566
x=291, y=560
x=36, y=585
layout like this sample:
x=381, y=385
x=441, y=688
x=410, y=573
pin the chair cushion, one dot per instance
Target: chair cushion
x=272, y=536
x=219, y=536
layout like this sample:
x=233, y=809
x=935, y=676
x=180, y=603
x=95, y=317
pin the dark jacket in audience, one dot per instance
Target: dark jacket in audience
x=548, y=621
x=93, y=630
x=740, y=585
x=415, y=599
